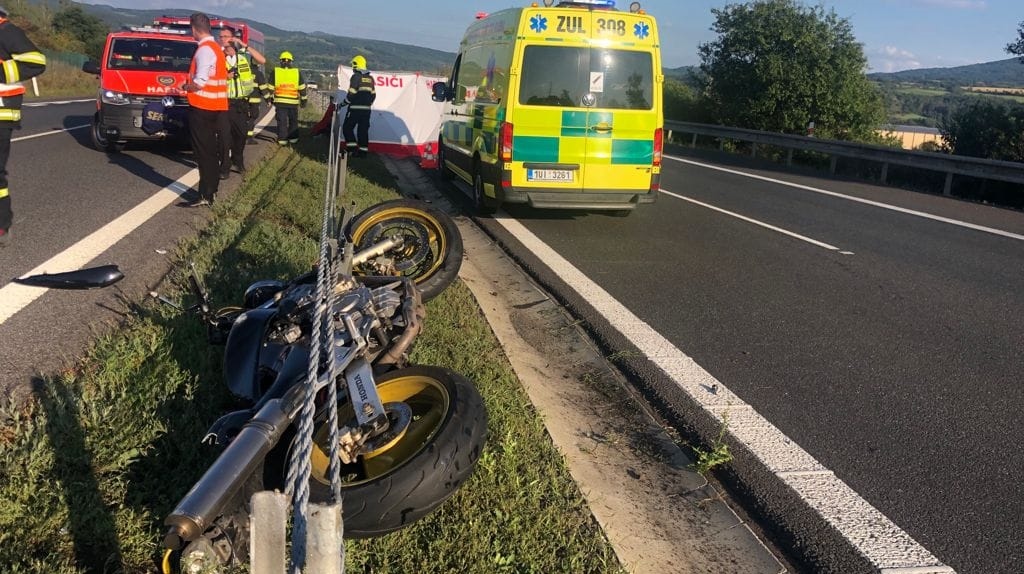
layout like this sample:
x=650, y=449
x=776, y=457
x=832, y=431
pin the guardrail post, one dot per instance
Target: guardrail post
x=885, y=172
x=753, y=149
x=721, y=144
x=267, y=532
x=668, y=136
x=693, y=141
x=789, y=157
x=948, y=189
x=832, y=165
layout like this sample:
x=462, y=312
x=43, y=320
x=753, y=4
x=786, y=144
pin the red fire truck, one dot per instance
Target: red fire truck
x=249, y=35
x=141, y=66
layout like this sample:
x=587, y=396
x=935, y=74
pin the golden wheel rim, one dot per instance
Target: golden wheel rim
x=438, y=241
x=429, y=400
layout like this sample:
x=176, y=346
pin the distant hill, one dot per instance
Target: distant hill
x=1003, y=73
x=316, y=51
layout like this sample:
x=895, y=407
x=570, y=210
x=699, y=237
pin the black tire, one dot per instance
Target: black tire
x=99, y=141
x=442, y=167
x=414, y=474
x=432, y=254
x=482, y=204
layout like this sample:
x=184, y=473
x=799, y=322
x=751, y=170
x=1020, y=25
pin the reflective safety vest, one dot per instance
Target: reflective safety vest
x=242, y=81
x=213, y=95
x=286, y=86
x=19, y=60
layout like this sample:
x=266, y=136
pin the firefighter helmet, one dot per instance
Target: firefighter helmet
x=358, y=63
x=286, y=55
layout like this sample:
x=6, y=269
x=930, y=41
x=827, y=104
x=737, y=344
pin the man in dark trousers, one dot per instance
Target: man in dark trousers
x=361, y=94
x=241, y=81
x=19, y=61
x=207, y=91
x=289, y=93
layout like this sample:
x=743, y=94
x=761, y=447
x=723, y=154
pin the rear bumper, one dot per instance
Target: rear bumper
x=591, y=199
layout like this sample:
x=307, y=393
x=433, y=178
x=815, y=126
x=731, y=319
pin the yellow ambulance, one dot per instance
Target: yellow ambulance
x=556, y=106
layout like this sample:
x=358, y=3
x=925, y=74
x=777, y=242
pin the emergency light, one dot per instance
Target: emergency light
x=610, y=4
x=160, y=30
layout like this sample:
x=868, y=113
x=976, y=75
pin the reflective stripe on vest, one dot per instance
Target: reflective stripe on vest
x=242, y=86
x=11, y=89
x=213, y=95
x=9, y=115
x=4, y=192
x=286, y=86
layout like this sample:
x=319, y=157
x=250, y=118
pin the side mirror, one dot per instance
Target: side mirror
x=91, y=67
x=440, y=92
x=91, y=278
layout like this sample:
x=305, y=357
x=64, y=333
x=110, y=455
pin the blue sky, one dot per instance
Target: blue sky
x=896, y=34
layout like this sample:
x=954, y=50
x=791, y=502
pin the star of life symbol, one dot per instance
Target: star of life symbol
x=538, y=23
x=641, y=30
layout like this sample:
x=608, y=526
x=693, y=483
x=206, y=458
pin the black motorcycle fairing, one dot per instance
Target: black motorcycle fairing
x=242, y=352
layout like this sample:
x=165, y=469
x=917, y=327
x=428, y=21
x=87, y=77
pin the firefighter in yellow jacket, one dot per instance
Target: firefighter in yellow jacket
x=288, y=94
x=19, y=61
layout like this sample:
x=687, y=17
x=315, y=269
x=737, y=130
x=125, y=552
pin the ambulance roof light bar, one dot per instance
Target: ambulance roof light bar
x=605, y=4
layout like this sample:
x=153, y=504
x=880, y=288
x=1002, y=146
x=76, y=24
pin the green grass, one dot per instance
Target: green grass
x=87, y=477
x=915, y=91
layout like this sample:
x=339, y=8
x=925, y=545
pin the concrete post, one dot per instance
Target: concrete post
x=753, y=149
x=948, y=189
x=789, y=157
x=693, y=141
x=832, y=165
x=267, y=524
x=325, y=549
x=885, y=172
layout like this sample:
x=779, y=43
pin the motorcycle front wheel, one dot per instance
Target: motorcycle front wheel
x=403, y=480
x=431, y=253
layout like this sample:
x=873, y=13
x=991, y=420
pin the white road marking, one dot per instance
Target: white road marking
x=15, y=297
x=49, y=133
x=876, y=537
x=756, y=222
x=55, y=103
x=922, y=214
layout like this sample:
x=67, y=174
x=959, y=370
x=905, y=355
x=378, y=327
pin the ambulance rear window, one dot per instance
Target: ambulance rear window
x=561, y=76
x=151, y=54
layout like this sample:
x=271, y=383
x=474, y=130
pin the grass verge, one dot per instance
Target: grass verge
x=87, y=477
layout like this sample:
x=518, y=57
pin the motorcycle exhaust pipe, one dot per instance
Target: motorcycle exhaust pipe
x=196, y=512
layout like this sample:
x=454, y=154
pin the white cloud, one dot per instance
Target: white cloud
x=892, y=59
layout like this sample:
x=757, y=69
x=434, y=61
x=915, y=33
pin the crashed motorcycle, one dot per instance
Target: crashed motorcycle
x=408, y=436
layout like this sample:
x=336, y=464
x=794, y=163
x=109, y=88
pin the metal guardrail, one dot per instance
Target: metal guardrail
x=951, y=165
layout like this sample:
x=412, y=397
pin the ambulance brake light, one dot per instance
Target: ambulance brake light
x=505, y=138
x=659, y=145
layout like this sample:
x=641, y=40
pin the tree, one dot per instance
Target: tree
x=987, y=129
x=778, y=65
x=1017, y=47
x=88, y=30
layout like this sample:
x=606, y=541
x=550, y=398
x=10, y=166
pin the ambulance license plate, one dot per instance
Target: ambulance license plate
x=559, y=175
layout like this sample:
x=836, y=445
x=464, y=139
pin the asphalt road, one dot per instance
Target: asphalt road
x=895, y=359
x=63, y=191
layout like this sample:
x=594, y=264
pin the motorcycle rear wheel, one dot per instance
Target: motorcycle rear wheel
x=407, y=478
x=432, y=253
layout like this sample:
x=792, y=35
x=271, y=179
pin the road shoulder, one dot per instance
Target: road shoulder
x=658, y=514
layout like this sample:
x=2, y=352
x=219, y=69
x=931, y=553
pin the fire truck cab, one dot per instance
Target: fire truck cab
x=140, y=66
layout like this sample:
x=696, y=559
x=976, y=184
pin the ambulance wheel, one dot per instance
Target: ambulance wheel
x=100, y=142
x=481, y=203
x=442, y=167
